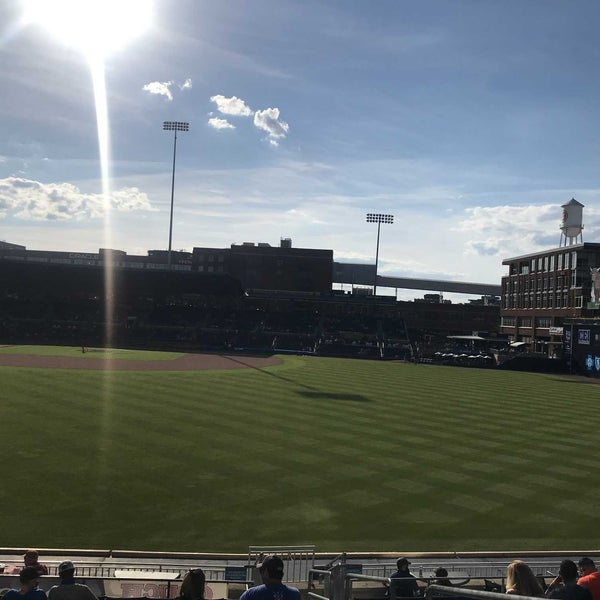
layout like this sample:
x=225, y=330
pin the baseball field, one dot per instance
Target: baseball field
x=157, y=451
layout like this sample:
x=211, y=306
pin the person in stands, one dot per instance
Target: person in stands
x=31, y=559
x=590, y=578
x=192, y=586
x=271, y=572
x=403, y=584
x=521, y=581
x=68, y=589
x=441, y=577
x=564, y=586
x=29, y=587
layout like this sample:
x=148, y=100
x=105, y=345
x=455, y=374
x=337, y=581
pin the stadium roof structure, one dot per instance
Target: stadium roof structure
x=361, y=274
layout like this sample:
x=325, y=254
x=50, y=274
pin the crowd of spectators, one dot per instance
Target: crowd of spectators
x=572, y=582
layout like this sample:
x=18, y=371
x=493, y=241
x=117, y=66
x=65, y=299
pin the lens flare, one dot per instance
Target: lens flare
x=97, y=28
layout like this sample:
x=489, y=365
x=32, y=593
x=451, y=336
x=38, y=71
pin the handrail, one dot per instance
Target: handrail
x=362, y=577
x=316, y=596
x=465, y=592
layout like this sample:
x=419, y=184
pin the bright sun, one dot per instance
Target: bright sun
x=95, y=27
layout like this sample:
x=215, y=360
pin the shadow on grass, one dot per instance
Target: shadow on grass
x=576, y=381
x=313, y=391
x=334, y=396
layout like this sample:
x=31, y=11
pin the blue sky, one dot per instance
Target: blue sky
x=471, y=121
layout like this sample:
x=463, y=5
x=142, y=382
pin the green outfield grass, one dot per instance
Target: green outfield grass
x=349, y=455
x=105, y=353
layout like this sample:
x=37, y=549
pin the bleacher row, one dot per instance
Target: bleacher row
x=212, y=325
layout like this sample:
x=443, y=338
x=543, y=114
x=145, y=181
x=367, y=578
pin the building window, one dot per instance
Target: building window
x=566, y=260
x=524, y=321
x=559, y=259
x=573, y=260
x=509, y=321
x=545, y=263
x=533, y=265
x=552, y=263
x=543, y=322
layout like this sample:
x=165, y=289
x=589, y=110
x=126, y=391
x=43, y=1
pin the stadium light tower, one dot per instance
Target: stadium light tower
x=379, y=219
x=173, y=126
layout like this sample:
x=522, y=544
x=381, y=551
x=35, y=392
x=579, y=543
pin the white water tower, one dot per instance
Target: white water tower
x=571, y=226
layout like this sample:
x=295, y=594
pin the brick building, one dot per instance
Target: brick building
x=543, y=289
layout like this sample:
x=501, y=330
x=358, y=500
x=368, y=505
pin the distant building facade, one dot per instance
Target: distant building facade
x=543, y=289
x=265, y=267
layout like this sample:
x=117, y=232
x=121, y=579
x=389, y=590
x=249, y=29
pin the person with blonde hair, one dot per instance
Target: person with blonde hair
x=192, y=586
x=521, y=581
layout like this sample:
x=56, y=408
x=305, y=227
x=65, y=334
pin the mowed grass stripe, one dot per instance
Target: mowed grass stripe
x=348, y=452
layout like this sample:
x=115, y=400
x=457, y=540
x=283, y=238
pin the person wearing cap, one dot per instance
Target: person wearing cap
x=271, y=572
x=403, y=584
x=67, y=589
x=564, y=586
x=590, y=578
x=31, y=559
x=29, y=586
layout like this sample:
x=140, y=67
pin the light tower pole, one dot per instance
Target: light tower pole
x=173, y=126
x=379, y=219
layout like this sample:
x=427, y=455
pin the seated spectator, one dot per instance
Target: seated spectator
x=68, y=589
x=29, y=587
x=590, y=578
x=521, y=581
x=403, y=583
x=31, y=559
x=565, y=585
x=441, y=577
x=271, y=572
x=192, y=586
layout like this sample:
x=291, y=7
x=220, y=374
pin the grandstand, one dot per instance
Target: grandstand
x=60, y=298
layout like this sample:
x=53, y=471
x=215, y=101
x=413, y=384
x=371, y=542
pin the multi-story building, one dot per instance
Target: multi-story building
x=542, y=289
x=265, y=267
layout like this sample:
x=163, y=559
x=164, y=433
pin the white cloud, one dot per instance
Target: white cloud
x=220, y=123
x=522, y=229
x=268, y=120
x=32, y=200
x=186, y=85
x=232, y=106
x=274, y=143
x=161, y=89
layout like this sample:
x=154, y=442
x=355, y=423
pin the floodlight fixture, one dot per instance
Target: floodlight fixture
x=173, y=126
x=378, y=218
x=176, y=126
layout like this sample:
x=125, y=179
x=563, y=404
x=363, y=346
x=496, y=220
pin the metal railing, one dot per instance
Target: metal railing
x=443, y=590
x=352, y=577
x=298, y=560
x=326, y=576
